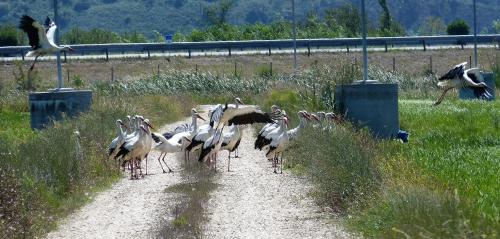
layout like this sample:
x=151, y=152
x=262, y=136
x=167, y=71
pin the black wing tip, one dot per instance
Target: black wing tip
x=168, y=135
x=155, y=138
x=26, y=22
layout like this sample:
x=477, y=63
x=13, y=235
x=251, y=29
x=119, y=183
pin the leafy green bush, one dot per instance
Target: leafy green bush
x=458, y=27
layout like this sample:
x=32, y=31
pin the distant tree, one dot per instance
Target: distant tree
x=178, y=3
x=432, y=26
x=9, y=36
x=496, y=26
x=347, y=17
x=256, y=15
x=458, y=27
x=4, y=9
x=217, y=14
x=81, y=6
x=388, y=26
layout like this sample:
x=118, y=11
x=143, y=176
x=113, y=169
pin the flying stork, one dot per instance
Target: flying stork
x=458, y=77
x=41, y=38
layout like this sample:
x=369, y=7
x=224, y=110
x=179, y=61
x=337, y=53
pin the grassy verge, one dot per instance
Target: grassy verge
x=443, y=184
x=188, y=213
x=47, y=174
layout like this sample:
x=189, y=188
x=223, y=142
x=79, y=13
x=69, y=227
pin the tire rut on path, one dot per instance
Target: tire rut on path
x=253, y=202
x=130, y=208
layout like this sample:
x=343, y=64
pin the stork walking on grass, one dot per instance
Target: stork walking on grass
x=458, y=78
x=41, y=38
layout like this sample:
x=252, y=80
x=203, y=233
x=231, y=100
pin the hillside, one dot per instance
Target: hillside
x=168, y=16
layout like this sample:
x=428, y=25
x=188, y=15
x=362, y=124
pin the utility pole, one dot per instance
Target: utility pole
x=294, y=39
x=363, y=29
x=475, y=34
x=58, y=54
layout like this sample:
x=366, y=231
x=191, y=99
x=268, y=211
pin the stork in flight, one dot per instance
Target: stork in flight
x=458, y=77
x=41, y=38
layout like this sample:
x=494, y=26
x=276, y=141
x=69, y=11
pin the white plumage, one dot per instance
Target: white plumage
x=41, y=38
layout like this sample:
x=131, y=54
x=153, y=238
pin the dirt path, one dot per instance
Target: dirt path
x=253, y=202
x=129, y=209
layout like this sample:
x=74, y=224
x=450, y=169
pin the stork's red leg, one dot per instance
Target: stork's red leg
x=163, y=159
x=33, y=64
x=442, y=97
x=160, y=163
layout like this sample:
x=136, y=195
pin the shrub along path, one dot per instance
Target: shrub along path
x=250, y=202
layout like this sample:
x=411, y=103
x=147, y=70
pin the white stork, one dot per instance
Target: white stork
x=148, y=143
x=193, y=127
x=280, y=142
x=233, y=114
x=458, y=78
x=132, y=150
x=41, y=38
x=165, y=146
x=119, y=140
x=210, y=149
x=231, y=141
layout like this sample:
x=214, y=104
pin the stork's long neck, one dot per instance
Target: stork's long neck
x=194, y=123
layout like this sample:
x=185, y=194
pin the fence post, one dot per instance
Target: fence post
x=308, y=49
x=196, y=69
x=271, y=68
x=423, y=43
x=22, y=55
x=149, y=54
x=158, y=69
x=347, y=46
x=386, y=47
x=229, y=49
x=65, y=60
x=189, y=53
x=112, y=74
x=394, y=64
x=235, y=68
x=269, y=50
x=67, y=74
x=430, y=63
x=107, y=55
x=470, y=61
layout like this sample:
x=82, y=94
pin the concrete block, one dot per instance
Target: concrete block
x=373, y=105
x=468, y=94
x=48, y=106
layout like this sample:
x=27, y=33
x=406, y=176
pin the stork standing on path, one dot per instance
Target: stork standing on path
x=165, y=146
x=231, y=141
x=119, y=140
x=458, y=78
x=41, y=38
x=280, y=142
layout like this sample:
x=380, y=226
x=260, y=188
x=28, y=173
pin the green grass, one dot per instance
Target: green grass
x=443, y=184
x=52, y=172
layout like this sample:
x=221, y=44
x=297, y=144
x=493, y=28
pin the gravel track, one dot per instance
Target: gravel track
x=251, y=202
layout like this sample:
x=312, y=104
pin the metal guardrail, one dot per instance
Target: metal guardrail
x=230, y=46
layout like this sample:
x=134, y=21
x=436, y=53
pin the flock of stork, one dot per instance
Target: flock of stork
x=134, y=139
